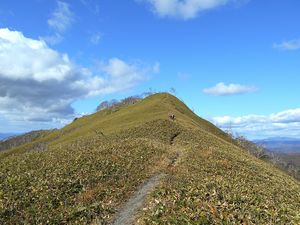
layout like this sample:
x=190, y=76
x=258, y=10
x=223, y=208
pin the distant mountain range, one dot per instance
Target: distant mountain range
x=281, y=144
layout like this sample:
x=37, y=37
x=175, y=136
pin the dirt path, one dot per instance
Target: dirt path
x=127, y=214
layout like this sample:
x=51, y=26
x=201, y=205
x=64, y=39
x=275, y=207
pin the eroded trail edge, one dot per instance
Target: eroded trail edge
x=128, y=213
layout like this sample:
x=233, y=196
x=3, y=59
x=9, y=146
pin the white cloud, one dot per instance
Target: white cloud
x=53, y=39
x=288, y=116
x=38, y=83
x=288, y=45
x=23, y=58
x=62, y=17
x=184, y=9
x=222, y=89
x=60, y=21
x=285, y=123
x=123, y=76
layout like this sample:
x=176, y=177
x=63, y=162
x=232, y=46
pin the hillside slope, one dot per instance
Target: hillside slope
x=91, y=167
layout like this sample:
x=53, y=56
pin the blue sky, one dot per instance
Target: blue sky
x=235, y=62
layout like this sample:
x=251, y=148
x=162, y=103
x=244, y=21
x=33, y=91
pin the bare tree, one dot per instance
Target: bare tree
x=107, y=104
x=102, y=106
x=261, y=153
x=131, y=100
x=254, y=149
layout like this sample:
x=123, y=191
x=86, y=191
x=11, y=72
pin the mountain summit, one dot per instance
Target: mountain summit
x=135, y=164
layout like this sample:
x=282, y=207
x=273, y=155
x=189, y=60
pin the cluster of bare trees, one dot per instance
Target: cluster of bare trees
x=115, y=103
x=129, y=100
x=126, y=101
x=107, y=104
x=254, y=149
x=261, y=153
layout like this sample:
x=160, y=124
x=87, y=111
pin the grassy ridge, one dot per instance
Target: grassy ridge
x=154, y=107
x=93, y=165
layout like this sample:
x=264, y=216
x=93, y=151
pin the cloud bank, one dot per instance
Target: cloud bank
x=184, y=9
x=285, y=123
x=222, y=89
x=38, y=83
